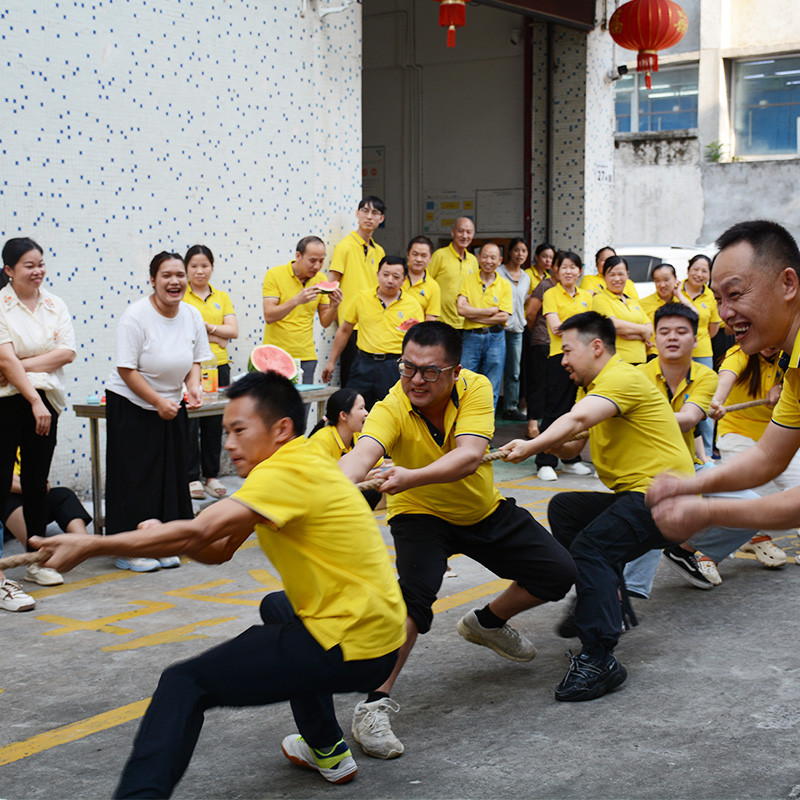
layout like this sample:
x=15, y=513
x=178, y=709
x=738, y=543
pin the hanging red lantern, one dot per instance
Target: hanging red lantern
x=452, y=15
x=648, y=26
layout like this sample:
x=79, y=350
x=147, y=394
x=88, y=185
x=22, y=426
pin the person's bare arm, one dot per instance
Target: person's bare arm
x=327, y=312
x=222, y=334
x=532, y=308
x=275, y=311
x=339, y=342
x=727, y=379
x=50, y=361
x=361, y=459
x=713, y=329
x=689, y=416
x=14, y=372
x=553, y=323
x=485, y=316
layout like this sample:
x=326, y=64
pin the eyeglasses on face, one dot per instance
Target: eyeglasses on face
x=429, y=373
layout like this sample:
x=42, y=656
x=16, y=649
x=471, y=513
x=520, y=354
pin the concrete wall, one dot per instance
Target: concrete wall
x=141, y=125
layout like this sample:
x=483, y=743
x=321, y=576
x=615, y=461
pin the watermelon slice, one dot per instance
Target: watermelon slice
x=326, y=287
x=271, y=358
x=407, y=324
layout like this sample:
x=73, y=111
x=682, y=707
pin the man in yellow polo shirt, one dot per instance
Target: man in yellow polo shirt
x=436, y=424
x=419, y=281
x=634, y=436
x=756, y=277
x=382, y=315
x=336, y=627
x=485, y=301
x=450, y=264
x=291, y=296
x=355, y=263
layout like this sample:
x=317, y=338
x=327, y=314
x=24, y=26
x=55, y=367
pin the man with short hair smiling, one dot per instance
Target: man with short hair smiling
x=419, y=282
x=633, y=435
x=450, y=264
x=436, y=424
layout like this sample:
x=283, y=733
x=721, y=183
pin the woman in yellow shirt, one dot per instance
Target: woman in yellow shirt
x=593, y=283
x=634, y=329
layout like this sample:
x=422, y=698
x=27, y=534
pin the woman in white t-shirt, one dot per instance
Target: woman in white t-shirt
x=36, y=340
x=160, y=344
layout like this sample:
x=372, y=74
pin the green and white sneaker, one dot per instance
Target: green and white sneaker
x=336, y=765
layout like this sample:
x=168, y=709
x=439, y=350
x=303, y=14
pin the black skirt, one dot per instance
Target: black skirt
x=147, y=475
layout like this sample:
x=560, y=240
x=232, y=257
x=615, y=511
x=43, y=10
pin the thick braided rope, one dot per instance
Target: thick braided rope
x=743, y=406
x=375, y=483
x=21, y=559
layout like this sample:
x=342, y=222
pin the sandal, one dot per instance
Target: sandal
x=196, y=491
x=215, y=489
x=768, y=553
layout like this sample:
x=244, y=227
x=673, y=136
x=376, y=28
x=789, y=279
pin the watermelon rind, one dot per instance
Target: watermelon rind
x=326, y=287
x=272, y=359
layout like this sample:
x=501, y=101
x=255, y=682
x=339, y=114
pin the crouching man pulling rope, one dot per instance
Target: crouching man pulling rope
x=436, y=423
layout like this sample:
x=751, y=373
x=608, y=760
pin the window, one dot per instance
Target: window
x=670, y=105
x=766, y=106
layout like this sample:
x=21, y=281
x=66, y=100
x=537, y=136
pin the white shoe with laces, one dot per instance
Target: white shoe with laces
x=13, y=597
x=371, y=728
x=44, y=576
x=576, y=468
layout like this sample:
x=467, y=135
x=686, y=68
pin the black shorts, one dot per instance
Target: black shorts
x=509, y=542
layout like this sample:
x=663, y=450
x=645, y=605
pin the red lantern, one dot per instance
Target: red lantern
x=452, y=15
x=648, y=26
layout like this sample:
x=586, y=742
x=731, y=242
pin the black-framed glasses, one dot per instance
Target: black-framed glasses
x=429, y=373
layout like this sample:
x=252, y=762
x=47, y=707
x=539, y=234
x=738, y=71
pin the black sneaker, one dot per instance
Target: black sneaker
x=684, y=562
x=590, y=677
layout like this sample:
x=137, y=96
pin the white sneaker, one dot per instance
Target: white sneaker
x=137, y=564
x=371, y=728
x=546, y=474
x=44, y=576
x=506, y=641
x=169, y=562
x=576, y=468
x=13, y=597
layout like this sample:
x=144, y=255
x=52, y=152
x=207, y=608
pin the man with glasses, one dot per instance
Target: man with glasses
x=436, y=423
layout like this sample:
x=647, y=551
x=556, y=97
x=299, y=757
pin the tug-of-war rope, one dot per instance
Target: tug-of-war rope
x=20, y=560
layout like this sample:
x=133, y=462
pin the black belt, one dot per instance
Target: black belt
x=492, y=329
x=379, y=356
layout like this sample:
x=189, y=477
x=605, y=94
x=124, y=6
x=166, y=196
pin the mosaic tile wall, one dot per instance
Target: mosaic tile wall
x=133, y=126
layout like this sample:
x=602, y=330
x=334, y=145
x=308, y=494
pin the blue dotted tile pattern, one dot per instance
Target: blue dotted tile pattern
x=134, y=126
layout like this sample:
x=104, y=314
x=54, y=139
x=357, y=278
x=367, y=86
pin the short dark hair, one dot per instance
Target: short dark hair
x=13, y=250
x=399, y=260
x=436, y=334
x=375, y=202
x=615, y=261
x=275, y=397
x=306, y=241
x=774, y=246
x=160, y=258
x=591, y=325
x=601, y=251
x=573, y=257
x=199, y=250
x=677, y=310
x=663, y=264
x=540, y=248
x=420, y=240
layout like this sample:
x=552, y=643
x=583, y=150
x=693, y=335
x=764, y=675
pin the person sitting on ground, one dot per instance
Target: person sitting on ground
x=437, y=422
x=335, y=627
x=633, y=435
x=419, y=283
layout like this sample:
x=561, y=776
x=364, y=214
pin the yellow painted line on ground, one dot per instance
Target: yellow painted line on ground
x=469, y=595
x=72, y=732
x=83, y=584
x=185, y=633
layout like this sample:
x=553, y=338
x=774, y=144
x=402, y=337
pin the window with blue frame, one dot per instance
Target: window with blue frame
x=671, y=103
x=766, y=106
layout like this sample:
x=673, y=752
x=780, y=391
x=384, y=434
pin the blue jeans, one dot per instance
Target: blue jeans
x=511, y=370
x=715, y=542
x=706, y=427
x=485, y=353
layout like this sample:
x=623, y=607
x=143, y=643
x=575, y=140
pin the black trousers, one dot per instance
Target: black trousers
x=18, y=430
x=62, y=507
x=602, y=531
x=536, y=379
x=347, y=357
x=560, y=394
x=372, y=379
x=268, y=663
x=205, y=438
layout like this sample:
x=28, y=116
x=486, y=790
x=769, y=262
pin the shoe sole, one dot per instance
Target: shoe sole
x=615, y=681
x=21, y=608
x=42, y=583
x=299, y=762
x=393, y=753
x=138, y=569
x=467, y=634
x=763, y=560
x=698, y=584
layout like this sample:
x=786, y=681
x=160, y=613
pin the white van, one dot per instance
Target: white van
x=643, y=259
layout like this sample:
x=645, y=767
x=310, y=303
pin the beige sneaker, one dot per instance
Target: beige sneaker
x=506, y=641
x=44, y=576
x=371, y=728
x=13, y=597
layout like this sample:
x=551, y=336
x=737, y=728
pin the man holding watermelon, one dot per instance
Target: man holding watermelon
x=436, y=423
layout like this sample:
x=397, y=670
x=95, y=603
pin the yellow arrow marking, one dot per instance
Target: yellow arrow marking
x=182, y=634
x=104, y=624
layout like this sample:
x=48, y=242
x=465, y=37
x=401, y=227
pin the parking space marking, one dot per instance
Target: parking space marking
x=185, y=633
x=70, y=625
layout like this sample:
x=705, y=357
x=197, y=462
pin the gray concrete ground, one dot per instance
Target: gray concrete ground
x=711, y=708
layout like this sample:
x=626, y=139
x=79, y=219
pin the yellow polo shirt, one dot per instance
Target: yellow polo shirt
x=536, y=279
x=406, y=435
x=697, y=387
x=379, y=328
x=643, y=439
x=609, y=305
x=213, y=310
x=329, y=440
x=591, y=283
x=358, y=262
x=323, y=539
x=559, y=301
x=448, y=269
x=427, y=293
x=295, y=332
x=750, y=422
x=486, y=295
x=706, y=307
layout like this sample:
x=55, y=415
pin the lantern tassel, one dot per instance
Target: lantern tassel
x=451, y=36
x=647, y=82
